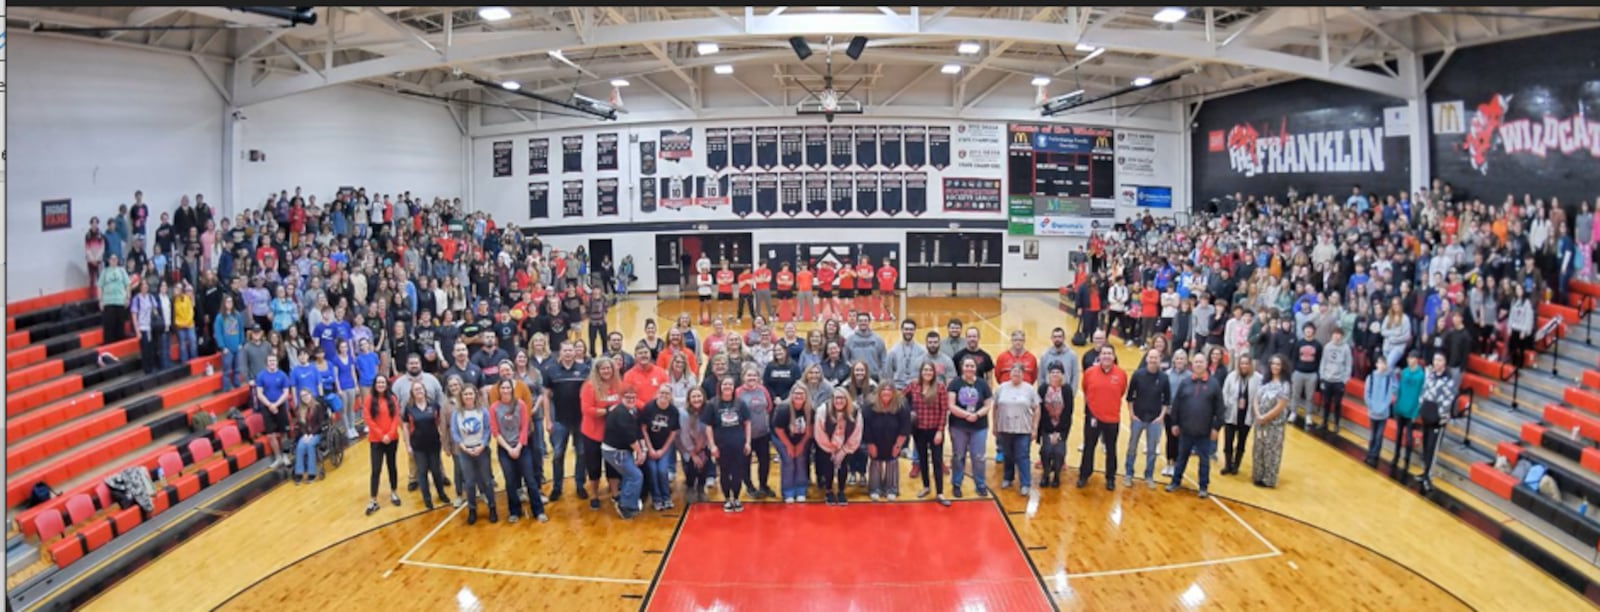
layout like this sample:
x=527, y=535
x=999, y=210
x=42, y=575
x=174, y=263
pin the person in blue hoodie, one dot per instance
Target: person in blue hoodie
x=228, y=330
x=1381, y=391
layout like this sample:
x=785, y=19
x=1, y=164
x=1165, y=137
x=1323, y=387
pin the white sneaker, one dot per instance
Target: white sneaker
x=874, y=496
x=891, y=496
x=1166, y=471
x=459, y=501
x=924, y=493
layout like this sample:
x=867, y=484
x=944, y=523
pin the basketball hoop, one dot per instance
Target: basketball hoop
x=1042, y=96
x=616, y=97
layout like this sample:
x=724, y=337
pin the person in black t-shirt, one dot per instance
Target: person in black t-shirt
x=729, y=421
x=505, y=330
x=448, y=331
x=488, y=360
x=427, y=339
x=461, y=367
x=980, y=357
x=971, y=400
x=623, y=450
x=564, y=378
x=660, y=421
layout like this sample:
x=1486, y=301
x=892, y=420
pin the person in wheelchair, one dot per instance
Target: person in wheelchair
x=310, y=423
x=332, y=445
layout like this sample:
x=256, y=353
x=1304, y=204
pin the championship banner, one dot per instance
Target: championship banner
x=502, y=158
x=677, y=144
x=572, y=153
x=606, y=197
x=539, y=200
x=572, y=198
x=605, y=151
x=538, y=156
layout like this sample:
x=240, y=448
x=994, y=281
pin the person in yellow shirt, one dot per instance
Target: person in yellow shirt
x=183, y=320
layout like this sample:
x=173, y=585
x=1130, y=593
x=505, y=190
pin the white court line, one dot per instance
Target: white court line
x=436, y=528
x=996, y=328
x=1236, y=518
x=1158, y=568
x=498, y=572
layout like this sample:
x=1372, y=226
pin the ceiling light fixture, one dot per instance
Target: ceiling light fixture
x=1142, y=81
x=827, y=9
x=723, y=68
x=1171, y=14
x=1084, y=47
x=951, y=68
x=968, y=48
x=494, y=13
x=1041, y=81
x=619, y=82
x=511, y=85
x=707, y=48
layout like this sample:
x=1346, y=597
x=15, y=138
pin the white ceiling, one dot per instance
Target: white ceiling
x=434, y=50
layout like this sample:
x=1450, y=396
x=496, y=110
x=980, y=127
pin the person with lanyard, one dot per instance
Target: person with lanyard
x=729, y=423
x=970, y=401
x=693, y=441
x=838, y=435
x=424, y=443
x=1438, y=400
x=1016, y=418
x=1270, y=416
x=1104, y=386
x=791, y=425
x=1198, y=408
x=661, y=426
x=382, y=410
x=272, y=395
x=1241, y=393
x=1150, y=398
x=597, y=397
x=1055, y=425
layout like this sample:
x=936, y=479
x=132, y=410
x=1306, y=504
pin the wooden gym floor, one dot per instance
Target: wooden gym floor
x=1333, y=535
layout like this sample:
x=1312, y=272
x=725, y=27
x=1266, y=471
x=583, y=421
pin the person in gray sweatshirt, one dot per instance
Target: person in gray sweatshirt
x=252, y=358
x=866, y=347
x=1334, y=372
x=904, y=359
x=1059, y=352
x=1204, y=315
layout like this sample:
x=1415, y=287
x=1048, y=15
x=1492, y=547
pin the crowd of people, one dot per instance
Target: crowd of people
x=443, y=332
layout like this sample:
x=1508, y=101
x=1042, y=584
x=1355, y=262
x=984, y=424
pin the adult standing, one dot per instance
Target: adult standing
x=1016, y=418
x=1150, y=397
x=660, y=420
x=1271, y=414
x=1104, y=386
x=382, y=411
x=1054, y=425
x=838, y=435
x=623, y=445
x=272, y=402
x=1198, y=407
x=1241, y=393
x=114, y=286
x=424, y=443
x=729, y=422
x=926, y=395
x=970, y=401
x=791, y=425
x=564, y=381
x=511, y=423
x=597, y=397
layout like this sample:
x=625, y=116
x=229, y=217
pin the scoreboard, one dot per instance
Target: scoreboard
x=1063, y=161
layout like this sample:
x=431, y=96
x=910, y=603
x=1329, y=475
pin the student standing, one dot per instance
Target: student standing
x=1016, y=418
x=470, y=431
x=838, y=435
x=1438, y=399
x=1271, y=415
x=970, y=401
x=1104, y=386
x=1333, y=373
x=1379, y=393
x=928, y=416
x=511, y=423
x=1150, y=398
x=791, y=424
x=382, y=410
x=887, y=425
x=1408, y=401
x=729, y=421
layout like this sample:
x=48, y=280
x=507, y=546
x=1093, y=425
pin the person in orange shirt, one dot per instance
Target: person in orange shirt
x=888, y=288
x=597, y=397
x=806, y=309
x=870, y=304
x=762, y=277
x=725, y=280
x=747, y=285
x=645, y=376
x=1149, y=311
x=1104, y=385
x=827, y=303
x=846, y=286
x=785, y=283
x=675, y=345
x=1018, y=355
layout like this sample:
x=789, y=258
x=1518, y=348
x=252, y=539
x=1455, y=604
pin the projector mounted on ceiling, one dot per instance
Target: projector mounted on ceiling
x=830, y=101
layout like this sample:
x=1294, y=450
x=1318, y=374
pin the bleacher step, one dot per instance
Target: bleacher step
x=18, y=558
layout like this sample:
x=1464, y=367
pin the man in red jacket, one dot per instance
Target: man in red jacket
x=1103, y=388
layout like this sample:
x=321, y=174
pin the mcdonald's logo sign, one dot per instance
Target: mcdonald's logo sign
x=1449, y=118
x=1019, y=137
x=1102, y=142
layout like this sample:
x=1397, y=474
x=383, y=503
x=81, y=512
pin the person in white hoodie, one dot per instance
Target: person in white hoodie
x=1521, y=323
x=1117, y=305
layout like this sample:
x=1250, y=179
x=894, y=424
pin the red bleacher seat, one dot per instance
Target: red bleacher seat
x=1501, y=483
x=1493, y=370
x=171, y=465
x=96, y=534
x=49, y=525
x=256, y=423
x=103, y=494
x=126, y=519
x=199, y=450
x=80, y=508
x=66, y=550
x=1587, y=400
x=228, y=435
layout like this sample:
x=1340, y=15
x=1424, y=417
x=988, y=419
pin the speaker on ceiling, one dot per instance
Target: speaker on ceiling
x=802, y=49
x=857, y=45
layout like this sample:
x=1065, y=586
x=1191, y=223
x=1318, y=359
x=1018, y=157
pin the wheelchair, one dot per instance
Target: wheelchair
x=332, y=446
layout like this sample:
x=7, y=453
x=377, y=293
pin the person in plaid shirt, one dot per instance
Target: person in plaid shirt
x=926, y=395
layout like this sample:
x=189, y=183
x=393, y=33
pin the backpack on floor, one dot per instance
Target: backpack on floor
x=201, y=421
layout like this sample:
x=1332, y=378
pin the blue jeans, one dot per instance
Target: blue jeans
x=519, y=471
x=968, y=444
x=1152, y=441
x=187, y=348
x=792, y=473
x=632, y=479
x=558, y=457
x=305, y=455
x=656, y=471
x=1016, y=459
x=1201, y=445
x=537, y=442
x=230, y=376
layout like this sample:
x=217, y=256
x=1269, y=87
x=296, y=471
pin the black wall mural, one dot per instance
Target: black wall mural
x=1520, y=117
x=1315, y=136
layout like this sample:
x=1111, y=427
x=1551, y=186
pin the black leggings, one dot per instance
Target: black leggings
x=597, y=338
x=733, y=469
x=828, y=475
x=694, y=478
x=761, y=447
x=1406, y=427
x=383, y=454
x=929, y=452
x=1171, y=441
x=1332, y=397
x=1233, y=437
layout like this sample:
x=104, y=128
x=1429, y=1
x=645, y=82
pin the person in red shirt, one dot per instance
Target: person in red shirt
x=785, y=282
x=747, y=285
x=1018, y=355
x=827, y=302
x=865, y=273
x=1149, y=310
x=1104, y=386
x=725, y=279
x=297, y=222
x=806, y=296
x=888, y=286
x=596, y=397
x=645, y=377
x=762, y=278
x=846, y=286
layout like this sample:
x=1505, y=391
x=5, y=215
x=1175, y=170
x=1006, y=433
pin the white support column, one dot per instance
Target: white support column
x=1414, y=78
x=229, y=204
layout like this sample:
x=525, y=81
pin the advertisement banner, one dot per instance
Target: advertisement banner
x=971, y=195
x=1019, y=213
x=980, y=146
x=1153, y=197
x=1136, y=157
x=1077, y=227
x=56, y=214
